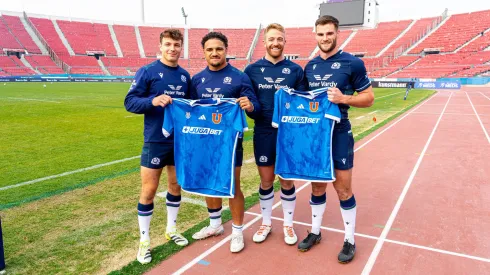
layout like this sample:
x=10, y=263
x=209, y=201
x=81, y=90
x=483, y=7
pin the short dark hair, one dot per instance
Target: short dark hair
x=214, y=35
x=327, y=19
x=174, y=34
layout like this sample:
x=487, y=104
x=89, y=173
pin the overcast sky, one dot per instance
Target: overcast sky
x=229, y=13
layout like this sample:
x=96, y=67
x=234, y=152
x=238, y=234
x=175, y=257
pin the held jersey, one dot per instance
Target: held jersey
x=267, y=78
x=153, y=80
x=341, y=70
x=305, y=122
x=206, y=135
x=228, y=82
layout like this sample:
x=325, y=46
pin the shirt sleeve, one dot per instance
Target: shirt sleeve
x=193, y=89
x=277, y=109
x=332, y=110
x=189, y=86
x=301, y=83
x=168, y=120
x=248, y=91
x=359, y=78
x=138, y=100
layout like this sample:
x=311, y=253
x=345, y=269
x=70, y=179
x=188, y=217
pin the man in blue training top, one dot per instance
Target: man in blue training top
x=152, y=90
x=221, y=80
x=268, y=75
x=344, y=74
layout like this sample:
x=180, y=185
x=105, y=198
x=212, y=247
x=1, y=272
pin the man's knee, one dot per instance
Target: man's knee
x=286, y=184
x=318, y=188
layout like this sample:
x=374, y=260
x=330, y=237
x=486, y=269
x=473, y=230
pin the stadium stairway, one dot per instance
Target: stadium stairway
x=33, y=35
x=62, y=37
x=255, y=41
x=472, y=40
x=114, y=39
x=402, y=68
x=28, y=65
x=427, y=35
x=396, y=38
x=139, y=41
x=102, y=67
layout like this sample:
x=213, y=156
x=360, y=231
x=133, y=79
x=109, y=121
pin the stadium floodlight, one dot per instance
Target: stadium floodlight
x=184, y=15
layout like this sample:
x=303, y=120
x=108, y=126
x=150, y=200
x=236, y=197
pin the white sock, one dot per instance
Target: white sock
x=318, y=204
x=266, y=201
x=173, y=205
x=348, y=209
x=145, y=212
x=215, y=217
x=288, y=204
x=237, y=229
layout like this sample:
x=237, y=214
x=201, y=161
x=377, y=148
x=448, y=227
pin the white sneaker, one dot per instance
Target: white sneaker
x=208, y=231
x=289, y=235
x=177, y=238
x=262, y=233
x=144, y=254
x=236, y=243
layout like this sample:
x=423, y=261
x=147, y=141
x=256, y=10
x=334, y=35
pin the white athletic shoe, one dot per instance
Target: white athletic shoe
x=144, y=254
x=262, y=233
x=177, y=238
x=207, y=232
x=236, y=243
x=289, y=235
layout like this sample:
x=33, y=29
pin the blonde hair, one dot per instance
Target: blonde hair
x=274, y=26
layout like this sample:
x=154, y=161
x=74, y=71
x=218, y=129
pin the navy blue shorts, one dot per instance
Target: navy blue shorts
x=265, y=146
x=239, y=153
x=157, y=155
x=343, y=146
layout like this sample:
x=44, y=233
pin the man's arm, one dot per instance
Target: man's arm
x=137, y=100
x=363, y=99
x=248, y=99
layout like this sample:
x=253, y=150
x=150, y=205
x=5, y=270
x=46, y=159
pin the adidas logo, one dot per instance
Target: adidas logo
x=301, y=106
x=202, y=117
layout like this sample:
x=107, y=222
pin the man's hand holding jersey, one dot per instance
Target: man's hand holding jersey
x=162, y=100
x=245, y=104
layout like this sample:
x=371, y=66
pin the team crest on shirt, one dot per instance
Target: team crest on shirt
x=288, y=105
x=286, y=71
x=203, y=79
x=314, y=106
x=217, y=118
x=161, y=75
x=227, y=80
x=336, y=65
x=262, y=69
x=314, y=66
x=187, y=115
x=183, y=78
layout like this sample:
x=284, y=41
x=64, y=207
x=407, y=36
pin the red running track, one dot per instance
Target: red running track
x=422, y=186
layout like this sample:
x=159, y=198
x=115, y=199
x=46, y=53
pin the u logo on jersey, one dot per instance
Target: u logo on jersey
x=314, y=106
x=217, y=118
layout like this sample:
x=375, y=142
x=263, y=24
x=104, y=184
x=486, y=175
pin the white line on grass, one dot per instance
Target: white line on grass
x=375, y=98
x=373, y=112
x=225, y=240
x=393, y=124
x=66, y=173
x=250, y=160
x=184, y=199
x=388, y=241
x=478, y=117
x=360, y=117
x=377, y=248
x=32, y=99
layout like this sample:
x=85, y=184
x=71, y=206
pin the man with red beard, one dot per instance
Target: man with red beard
x=269, y=74
x=344, y=74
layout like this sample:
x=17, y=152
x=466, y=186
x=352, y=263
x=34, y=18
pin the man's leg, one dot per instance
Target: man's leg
x=318, y=203
x=288, y=201
x=343, y=155
x=343, y=186
x=149, y=184
x=266, y=196
x=173, y=205
x=215, y=227
x=237, y=207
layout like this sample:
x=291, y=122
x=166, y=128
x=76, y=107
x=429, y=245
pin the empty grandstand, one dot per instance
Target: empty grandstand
x=446, y=46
